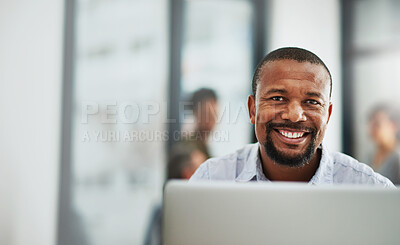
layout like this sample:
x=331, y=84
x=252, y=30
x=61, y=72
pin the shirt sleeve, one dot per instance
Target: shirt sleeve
x=201, y=173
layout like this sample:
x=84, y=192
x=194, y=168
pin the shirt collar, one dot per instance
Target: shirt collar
x=324, y=173
x=250, y=161
x=252, y=170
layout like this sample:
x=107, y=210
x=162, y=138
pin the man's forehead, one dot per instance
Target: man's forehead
x=291, y=69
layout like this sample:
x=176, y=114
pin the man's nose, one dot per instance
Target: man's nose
x=294, y=112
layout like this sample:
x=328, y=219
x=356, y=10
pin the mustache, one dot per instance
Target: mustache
x=290, y=125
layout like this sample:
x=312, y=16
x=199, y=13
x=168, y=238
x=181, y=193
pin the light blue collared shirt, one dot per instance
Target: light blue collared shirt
x=245, y=165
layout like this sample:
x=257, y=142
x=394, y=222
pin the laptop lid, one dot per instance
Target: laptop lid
x=279, y=213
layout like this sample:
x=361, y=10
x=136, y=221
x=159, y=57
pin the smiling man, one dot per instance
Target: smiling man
x=290, y=108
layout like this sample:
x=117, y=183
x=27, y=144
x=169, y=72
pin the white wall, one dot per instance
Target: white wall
x=313, y=25
x=30, y=89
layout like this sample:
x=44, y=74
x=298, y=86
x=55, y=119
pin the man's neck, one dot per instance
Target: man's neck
x=276, y=172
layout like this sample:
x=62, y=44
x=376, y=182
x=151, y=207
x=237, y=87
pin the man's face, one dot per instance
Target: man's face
x=382, y=129
x=291, y=110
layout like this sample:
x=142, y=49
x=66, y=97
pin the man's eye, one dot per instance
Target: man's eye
x=277, y=98
x=313, y=102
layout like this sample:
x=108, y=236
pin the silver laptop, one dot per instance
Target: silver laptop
x=279, y=213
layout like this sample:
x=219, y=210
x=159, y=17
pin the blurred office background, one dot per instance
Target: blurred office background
x=67, y=67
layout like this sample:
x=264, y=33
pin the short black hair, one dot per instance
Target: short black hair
x=201, y=95
x=289, y=53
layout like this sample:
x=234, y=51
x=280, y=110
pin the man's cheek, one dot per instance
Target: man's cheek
x=267, y=115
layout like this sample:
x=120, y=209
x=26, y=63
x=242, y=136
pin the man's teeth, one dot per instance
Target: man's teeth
x=292, y=135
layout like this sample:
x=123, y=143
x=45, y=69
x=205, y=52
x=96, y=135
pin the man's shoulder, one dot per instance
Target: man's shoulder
x=342, y=162
x=225, y=167
x=346, y=169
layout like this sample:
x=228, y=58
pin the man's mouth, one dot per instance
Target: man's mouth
x=291, y=134
x=290, y=145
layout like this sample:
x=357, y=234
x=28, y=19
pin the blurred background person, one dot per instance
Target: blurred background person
x=183, y=162
x=189, y=153
x=204, y=104
x=384, y=131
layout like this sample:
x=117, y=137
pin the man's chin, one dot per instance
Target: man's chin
x=290, y=162
x=286, y=155
x=282, y=158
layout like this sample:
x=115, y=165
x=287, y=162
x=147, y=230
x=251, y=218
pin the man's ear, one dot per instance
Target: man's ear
x=329, y=112
x=251, y=105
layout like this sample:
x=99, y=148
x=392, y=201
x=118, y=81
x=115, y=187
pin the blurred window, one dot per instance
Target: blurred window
x=217, y=53
x=118, y=122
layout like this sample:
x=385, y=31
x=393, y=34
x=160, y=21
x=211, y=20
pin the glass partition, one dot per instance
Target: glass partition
x=217, y=54
x=120, y=91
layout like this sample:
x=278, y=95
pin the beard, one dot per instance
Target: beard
x=280, y=157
